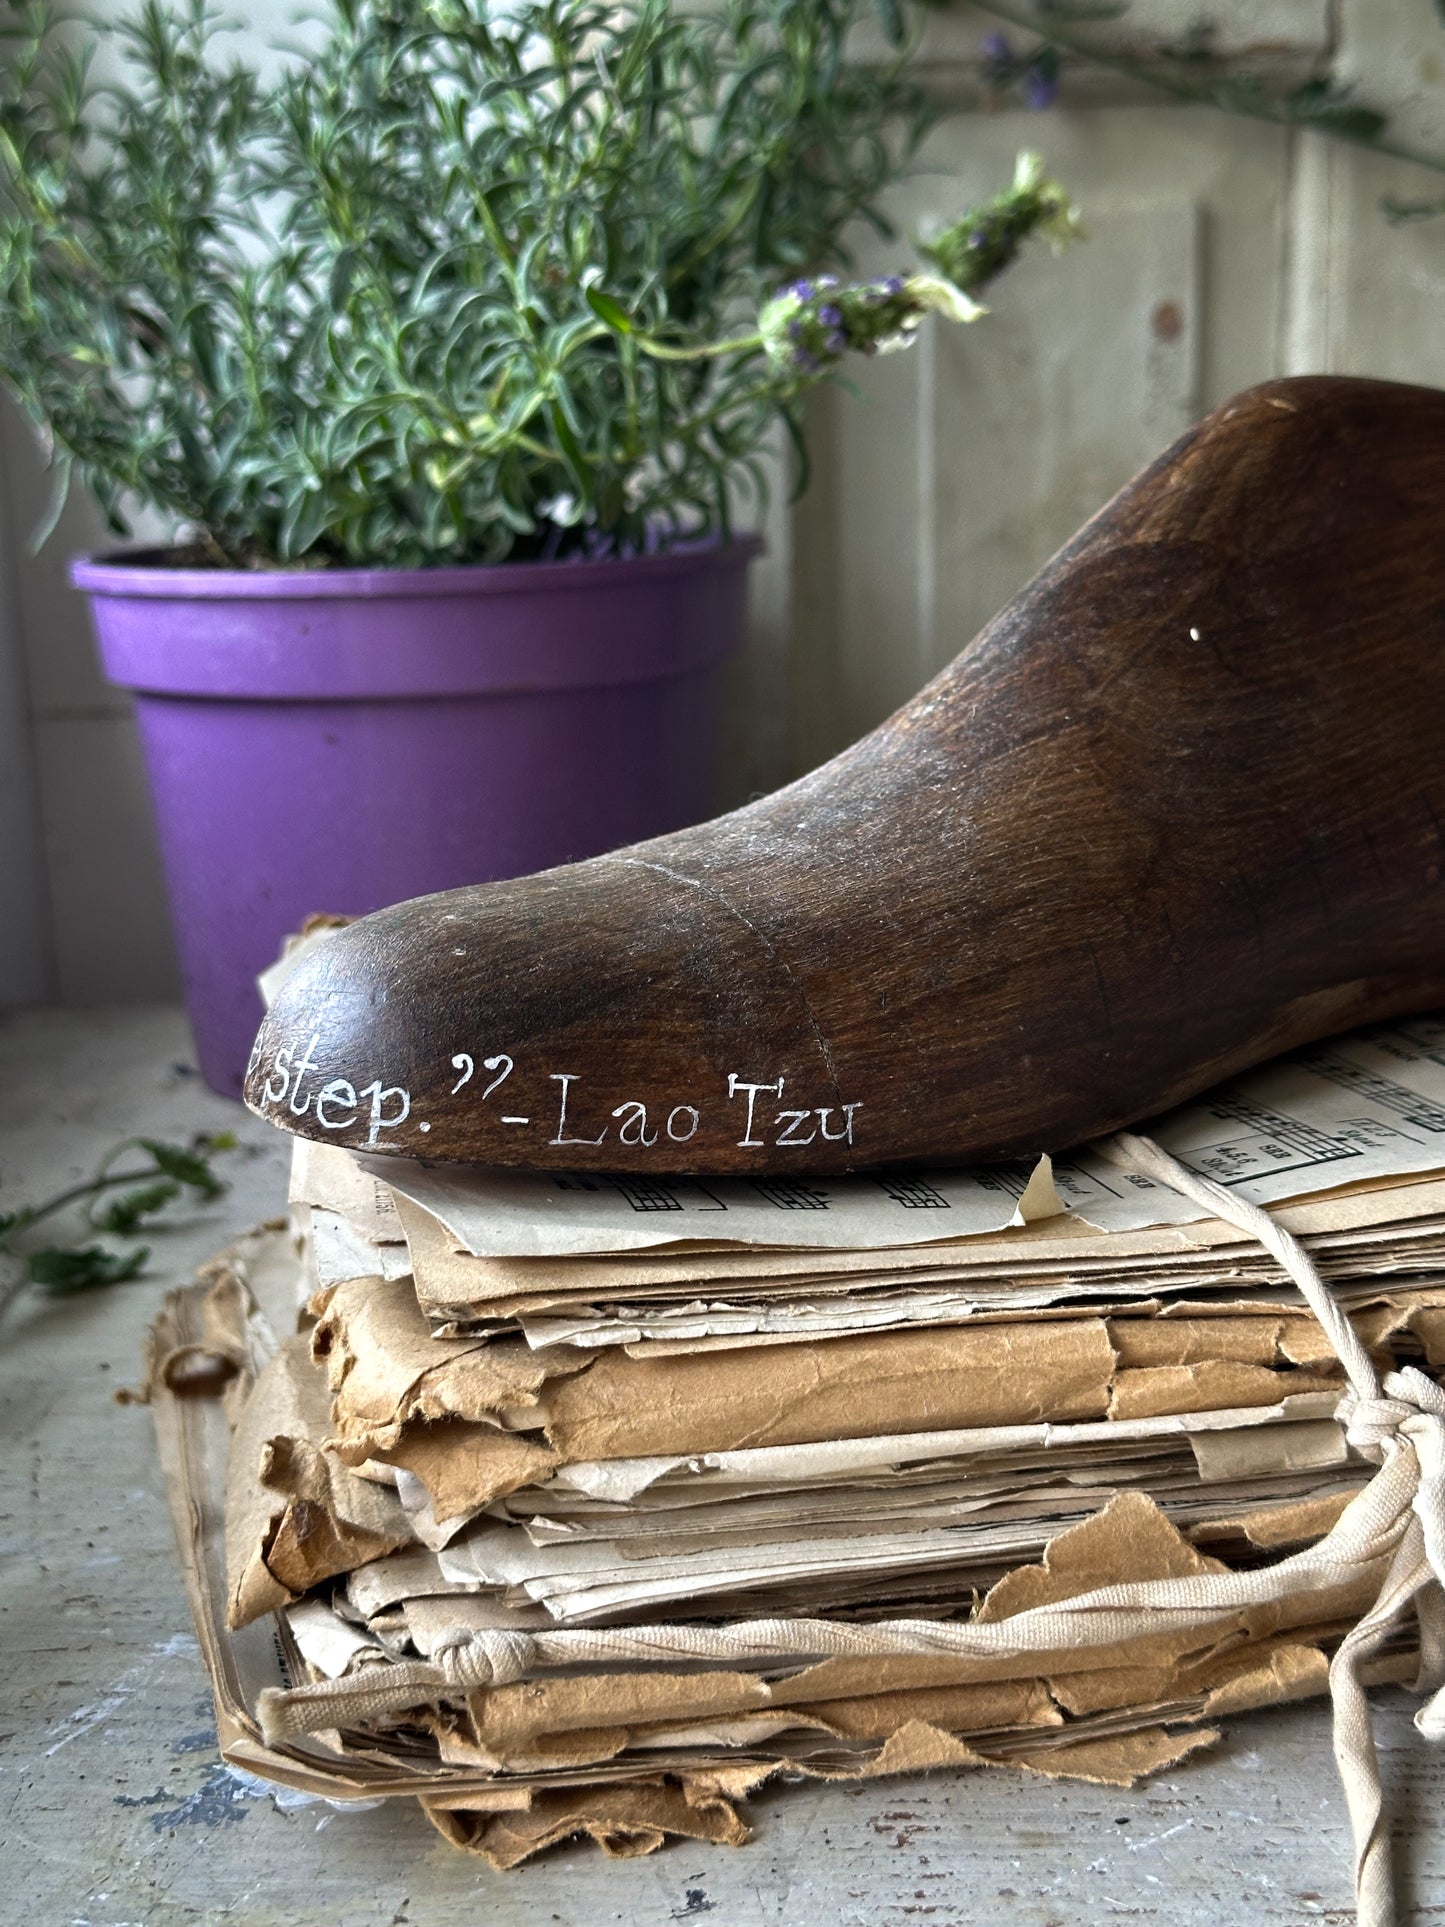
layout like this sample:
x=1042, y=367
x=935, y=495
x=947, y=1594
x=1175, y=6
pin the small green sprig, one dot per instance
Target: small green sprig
x=1187, y=70
x=978, y=247
x=113, y=1200
x=810, y=325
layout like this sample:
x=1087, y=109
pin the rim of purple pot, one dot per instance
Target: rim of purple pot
x=143, y=572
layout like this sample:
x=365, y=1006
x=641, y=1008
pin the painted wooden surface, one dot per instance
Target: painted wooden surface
x=114, y=1811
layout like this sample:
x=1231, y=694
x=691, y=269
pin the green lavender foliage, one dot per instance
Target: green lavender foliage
x=344, y=317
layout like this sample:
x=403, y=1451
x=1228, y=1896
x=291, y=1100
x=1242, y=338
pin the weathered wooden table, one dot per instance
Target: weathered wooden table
x=117, y=1812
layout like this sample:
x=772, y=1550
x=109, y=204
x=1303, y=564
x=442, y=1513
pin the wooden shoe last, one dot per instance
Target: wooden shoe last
x=1178, y=808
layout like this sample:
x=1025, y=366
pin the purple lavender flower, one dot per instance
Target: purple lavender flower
x=803, y=290
x=997, y=49
x=1041, y=90
x=806, y=338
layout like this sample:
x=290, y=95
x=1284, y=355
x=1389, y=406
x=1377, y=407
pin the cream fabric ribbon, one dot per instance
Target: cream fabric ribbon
x=1394, y=1528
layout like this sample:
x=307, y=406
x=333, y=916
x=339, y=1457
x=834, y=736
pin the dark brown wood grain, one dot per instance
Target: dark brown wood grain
x=1177, y=809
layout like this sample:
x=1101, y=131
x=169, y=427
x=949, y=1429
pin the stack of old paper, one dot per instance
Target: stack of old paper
x=531, y=1403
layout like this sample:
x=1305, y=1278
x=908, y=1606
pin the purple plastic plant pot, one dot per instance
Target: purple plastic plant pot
x=337, y=740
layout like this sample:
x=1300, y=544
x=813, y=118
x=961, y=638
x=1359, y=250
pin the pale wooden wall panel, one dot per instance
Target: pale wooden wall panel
x=107, y=901
x=104, y=921
x=1368, y=296
x=973, y=456
x=1392, y=52
x=755, y=748
x=26, y=963
x=1028, y=444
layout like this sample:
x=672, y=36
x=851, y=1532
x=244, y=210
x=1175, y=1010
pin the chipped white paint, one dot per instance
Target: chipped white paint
x=86, y=1718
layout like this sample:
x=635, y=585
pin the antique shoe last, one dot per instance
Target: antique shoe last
x=1178, y=808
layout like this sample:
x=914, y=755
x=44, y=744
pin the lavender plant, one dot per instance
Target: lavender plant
x=471, y=282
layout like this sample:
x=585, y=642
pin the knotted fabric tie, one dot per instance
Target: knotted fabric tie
x=484, y=1658
x=1401, y=1425
x=462, y=1662
x=1394, y=1528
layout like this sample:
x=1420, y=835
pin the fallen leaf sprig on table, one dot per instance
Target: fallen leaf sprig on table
x=118, y=1198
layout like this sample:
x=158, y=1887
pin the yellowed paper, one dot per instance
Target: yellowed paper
x=295, y=1515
